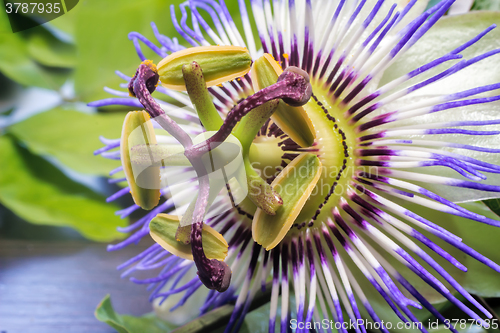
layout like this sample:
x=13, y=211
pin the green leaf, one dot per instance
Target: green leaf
x=66, y=22
x=432, y=3
x=4, y=23
x=486, y=5
x=494, y=205
x=257, y=321
x=104, y=47
x=71, y=137
x=38, y=192
x=49, y=51
x=449, y=33
x=213, y=321
x=17, y=64
x=130, y=324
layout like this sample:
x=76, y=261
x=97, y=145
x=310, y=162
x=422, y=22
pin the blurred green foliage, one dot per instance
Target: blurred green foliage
x=73, y=56
x=486, y=5
x=494, y=205
x=70, y=136
x=81, y=49
x=103, y=46
x=40, y=193
x=129, y=324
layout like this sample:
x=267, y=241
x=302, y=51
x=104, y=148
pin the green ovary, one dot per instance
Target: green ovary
x=265, y=155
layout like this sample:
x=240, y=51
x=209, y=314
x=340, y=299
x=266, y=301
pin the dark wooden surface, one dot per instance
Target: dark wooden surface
x=55, y=285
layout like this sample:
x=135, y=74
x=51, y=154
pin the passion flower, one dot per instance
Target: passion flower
x=337, y=166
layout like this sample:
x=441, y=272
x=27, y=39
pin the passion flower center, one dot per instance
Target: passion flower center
x=292, y=85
